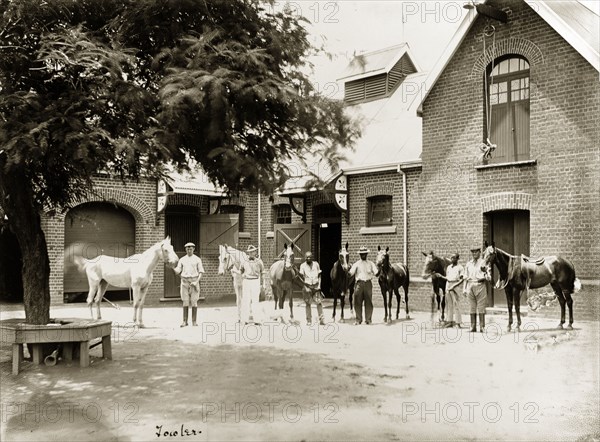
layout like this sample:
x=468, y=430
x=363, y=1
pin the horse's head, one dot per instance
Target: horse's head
x=429, y=265
x=382, y=257
x=288, y=256
x=489, y=257
x=343, y=258
x=168, y=253
x=224, y=259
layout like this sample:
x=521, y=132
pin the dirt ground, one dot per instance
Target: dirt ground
x=221, y=381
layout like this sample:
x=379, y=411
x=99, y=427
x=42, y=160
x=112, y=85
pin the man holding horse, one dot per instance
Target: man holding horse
x=190, y=269
x=252, y=273
x=454, y=276
x=364, y=271
x=474, y=288
x=310, y=272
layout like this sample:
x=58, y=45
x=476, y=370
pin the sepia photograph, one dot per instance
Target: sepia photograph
x=312, y=220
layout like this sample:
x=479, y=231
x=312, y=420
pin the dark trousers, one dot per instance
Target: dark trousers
x=363, y=292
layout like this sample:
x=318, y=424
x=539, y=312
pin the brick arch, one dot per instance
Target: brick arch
x=379, y=189
x=518, y=46
x=506, y=201
x=139, y=209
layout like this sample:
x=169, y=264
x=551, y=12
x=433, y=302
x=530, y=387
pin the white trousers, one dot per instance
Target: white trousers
x=250, y=298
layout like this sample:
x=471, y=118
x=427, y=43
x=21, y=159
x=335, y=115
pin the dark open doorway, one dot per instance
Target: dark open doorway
x=328, y=226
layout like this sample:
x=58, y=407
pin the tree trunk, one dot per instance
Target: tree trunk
x=25, y=222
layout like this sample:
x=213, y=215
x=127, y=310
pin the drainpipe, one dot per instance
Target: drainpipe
x=259, y=226
x=405, y=210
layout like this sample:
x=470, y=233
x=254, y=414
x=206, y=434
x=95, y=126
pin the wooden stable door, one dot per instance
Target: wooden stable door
x=510, y=232
x=297, y=234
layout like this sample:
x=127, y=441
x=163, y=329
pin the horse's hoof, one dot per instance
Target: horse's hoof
x=560, y=326
x=518, y=329
x=508, y=329
x=141, y=325
x=570, y=327
x=407, y=316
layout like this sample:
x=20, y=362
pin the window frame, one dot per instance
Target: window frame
x=509, y=106
x=276, y=216
x=371, y=201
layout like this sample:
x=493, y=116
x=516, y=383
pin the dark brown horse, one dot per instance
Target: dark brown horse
x=341, y=281
x=518, y=273
x=436, y=264
x=283, y=273
x=391, y=278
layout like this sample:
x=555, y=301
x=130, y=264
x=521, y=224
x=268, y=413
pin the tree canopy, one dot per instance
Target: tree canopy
x=128, y=86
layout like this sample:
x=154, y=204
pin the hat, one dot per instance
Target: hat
x=363, y=250
x=251, y=248
x=473, y=248
x=190, y=244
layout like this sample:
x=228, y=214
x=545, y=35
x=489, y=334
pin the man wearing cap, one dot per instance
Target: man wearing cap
x=310, y=272
x=252, y=273
x=474, y=288
x=454, y=276
x=363, y=271
x=190, y=269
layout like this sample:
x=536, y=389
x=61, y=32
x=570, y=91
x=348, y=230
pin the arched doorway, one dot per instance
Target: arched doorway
x=93, y=229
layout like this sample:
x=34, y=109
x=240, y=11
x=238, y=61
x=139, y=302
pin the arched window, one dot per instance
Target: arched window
x=507, y=108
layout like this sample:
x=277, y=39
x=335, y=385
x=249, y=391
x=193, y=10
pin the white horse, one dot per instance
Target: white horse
x=134, y=271
x=230, y=260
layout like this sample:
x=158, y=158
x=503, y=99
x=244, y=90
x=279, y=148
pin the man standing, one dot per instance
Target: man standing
x=190, y=269
x=252, y=274
x=364, y=271
x=310, y=272
x=474, y=288
x=454, y=276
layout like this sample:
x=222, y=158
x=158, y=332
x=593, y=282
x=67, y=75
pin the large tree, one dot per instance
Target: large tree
x=128, y=86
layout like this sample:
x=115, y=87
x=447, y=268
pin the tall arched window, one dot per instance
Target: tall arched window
x=507, y=108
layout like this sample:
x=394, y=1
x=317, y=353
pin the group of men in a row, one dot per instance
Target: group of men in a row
x=471, y=278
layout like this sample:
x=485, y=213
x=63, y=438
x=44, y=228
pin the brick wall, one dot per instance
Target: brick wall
x=139, y=198
x=562, y=187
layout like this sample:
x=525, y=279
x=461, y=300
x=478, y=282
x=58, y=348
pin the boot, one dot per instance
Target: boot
x=185, y=317
x=194, y=315
x=473, y=322
x=481, y=322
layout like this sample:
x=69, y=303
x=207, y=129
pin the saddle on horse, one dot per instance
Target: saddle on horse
x=536, y=261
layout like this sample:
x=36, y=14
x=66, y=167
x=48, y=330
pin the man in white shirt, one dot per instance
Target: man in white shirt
x=310, y=272
x=363, y=271
x=252, y=271
x=190, y=269
x=454, y=276
x=474, y=288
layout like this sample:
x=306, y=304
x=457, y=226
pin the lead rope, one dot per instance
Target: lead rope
x=487, y=147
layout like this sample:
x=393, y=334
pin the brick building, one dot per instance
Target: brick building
x=416, y=181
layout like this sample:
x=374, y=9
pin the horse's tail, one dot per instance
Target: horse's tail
x=576, y=285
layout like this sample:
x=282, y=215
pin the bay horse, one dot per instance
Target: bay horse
x=230, y=260
x=518, y=273
x=391, y=278
x=436, y=264
x=341, y=281
x=134, y=271
x=282, y=274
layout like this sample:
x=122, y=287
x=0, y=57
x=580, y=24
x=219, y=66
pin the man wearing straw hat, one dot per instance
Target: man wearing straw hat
x=364, y=271
x=190, y=269
x=252, y=274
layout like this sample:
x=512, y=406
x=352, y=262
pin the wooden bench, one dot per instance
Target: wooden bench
x=69, y=332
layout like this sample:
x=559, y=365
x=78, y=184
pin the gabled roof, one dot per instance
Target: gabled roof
x=195, y=183
x=576, y=23
x=376, y=62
